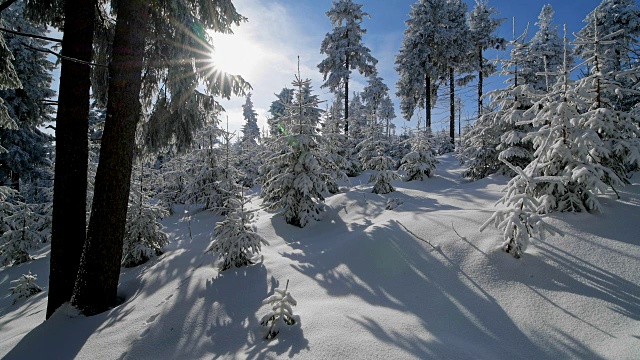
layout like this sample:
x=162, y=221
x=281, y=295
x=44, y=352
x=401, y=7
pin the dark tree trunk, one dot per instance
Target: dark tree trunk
x=346, y=101
x=70, y=185
x=427, y=102
x=480, y=79
x=452, y=107
x=97, y=282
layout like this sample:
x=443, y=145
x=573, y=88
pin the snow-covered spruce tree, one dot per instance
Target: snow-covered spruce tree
x=143, y=235
x=563, y=149
x=204, y=171
x=173, y=178
x=420, y=162
x=29, y=106
x=604, y=112
x=373, y=154
x=619, y=19
x=482, y=26
x=249, y=149
x=545, y=54
x=358, y=131
x=25, y=286
x=278, y=108
x=281, y=312
x=23, y=231
x=235, y=239
x=345, y=51
x=8, y=80
x=418, y=85
x=499, y=133
x=333, y=147
x=520, y=220
x=250, y=130
x=293, y=179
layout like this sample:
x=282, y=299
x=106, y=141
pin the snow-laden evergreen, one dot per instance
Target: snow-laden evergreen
x=250, y=130
x=25, y=286
x=235, y=239
x=144, y=237
x=415, y=61
x=293, y=177
x=374, y=155
x=420, y=162
x=520, y=220
x=482, y=26
x=23, y=230
x=499, y=133
x=545, y=54
x=278, y=108
x=29, y=105
x=619, y=19
x=281, y=311
x=345, y=50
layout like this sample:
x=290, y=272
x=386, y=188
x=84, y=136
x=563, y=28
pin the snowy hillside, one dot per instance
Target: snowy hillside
x=366, y=288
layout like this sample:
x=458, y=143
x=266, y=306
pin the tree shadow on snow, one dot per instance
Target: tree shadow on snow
x=387, y=268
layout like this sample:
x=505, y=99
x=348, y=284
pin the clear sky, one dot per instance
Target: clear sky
x=264, y=50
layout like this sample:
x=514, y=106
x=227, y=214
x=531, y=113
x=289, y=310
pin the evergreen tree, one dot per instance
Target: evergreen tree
x=235, y=239
x=29, y=107
x=373, y=154
x=22, y=231
x=143, y=235
x=415, y=61
x=345, y=50
x=250, y=130
x=278, y=109
x=544, y=56
x=520, y=220
x=618, y=18
x=482, y=27
x=420, y=162
x=293, y=179
x=25, y=286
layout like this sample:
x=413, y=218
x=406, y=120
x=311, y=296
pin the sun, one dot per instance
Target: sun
x=236, y=54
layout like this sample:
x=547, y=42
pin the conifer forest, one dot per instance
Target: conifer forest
x=432, y=179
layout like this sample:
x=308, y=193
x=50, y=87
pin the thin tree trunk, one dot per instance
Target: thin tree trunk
x=70, y=185
x=480, y=80
x=97, y=282
x=452, y=107
x=427, y=103
x=346, y=101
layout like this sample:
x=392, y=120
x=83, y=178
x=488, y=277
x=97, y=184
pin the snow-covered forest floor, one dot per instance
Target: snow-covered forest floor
x=366, y=287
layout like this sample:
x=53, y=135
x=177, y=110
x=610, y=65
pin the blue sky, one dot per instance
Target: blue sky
x=264, y=50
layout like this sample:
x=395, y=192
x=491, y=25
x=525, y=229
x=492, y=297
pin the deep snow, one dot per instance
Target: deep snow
x=365, y=287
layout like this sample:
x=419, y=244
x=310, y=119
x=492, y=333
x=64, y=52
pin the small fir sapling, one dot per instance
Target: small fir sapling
x=281, y=311
x=235, y=239
x=520, y=221
x=143, y=237
x=23, y=231
x=420, y=162
x=25, y=286
x=373, y=154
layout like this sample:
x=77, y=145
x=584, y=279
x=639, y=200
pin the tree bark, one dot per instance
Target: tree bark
x=427, y=102
x=480, y=80
x=97, y=283
x=346, y=101
x=452, y=107
x=70, y=185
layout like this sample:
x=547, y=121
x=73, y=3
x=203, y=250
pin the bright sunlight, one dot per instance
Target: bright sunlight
x=236, y=54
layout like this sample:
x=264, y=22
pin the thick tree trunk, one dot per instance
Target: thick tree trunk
x=97, y=282
x=346, y=101
x=452, y=107
x=70, y=185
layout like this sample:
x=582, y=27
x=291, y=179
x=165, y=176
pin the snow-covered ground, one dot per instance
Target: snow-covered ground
x=367, y=288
